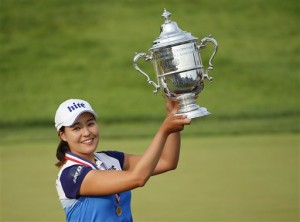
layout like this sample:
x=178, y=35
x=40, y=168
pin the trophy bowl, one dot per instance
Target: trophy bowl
x=175, y=55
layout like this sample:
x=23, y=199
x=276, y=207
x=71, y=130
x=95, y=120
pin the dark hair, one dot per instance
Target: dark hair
x=61, y=150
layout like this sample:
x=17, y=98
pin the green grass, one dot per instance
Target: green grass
x=53, y=50
x=243, y=178
x=208, y=126
x=239, y=164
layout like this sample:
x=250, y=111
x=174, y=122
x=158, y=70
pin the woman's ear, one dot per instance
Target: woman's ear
x=62, y=136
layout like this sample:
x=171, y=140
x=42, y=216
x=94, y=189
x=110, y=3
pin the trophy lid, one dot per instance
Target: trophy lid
x=170, y=33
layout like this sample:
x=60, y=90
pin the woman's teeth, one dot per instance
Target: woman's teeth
x=87, y=141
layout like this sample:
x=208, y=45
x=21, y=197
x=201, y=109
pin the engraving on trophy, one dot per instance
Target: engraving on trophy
x=175, y=55
x=183, y=50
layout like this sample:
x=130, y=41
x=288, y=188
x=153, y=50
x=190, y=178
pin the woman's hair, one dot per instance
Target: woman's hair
x=62, y=148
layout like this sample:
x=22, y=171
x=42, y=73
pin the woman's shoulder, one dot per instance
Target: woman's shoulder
x=111, y=153
x=111, y=158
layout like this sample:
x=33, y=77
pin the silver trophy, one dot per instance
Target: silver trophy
x=178, y=66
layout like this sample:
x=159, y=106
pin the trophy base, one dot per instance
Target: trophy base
x=200, y=112
x=188, y=107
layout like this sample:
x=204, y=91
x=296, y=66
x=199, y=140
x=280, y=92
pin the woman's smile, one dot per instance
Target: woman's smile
x=88, y=141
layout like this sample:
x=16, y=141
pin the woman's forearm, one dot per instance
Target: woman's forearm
x=171, y=150
x=149, y=160
x=163, y=152
x=170, y=154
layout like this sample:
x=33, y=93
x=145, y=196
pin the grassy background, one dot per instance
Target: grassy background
x=239, y=164
x=245, y=178
x=54, y=50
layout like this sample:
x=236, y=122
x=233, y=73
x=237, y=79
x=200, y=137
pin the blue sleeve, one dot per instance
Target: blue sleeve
x=71, y=179
x=117, y=155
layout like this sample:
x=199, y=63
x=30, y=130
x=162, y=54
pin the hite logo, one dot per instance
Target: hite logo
x=76, y=106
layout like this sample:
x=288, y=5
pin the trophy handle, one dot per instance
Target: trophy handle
x=147, y=58
x=202, y=46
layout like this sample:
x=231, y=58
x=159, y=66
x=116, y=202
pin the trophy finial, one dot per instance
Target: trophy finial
x=166, y=15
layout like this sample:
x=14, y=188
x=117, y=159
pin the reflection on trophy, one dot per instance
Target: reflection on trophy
x=178, y=66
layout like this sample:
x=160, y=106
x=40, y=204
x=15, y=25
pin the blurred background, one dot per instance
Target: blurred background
x=53, y=50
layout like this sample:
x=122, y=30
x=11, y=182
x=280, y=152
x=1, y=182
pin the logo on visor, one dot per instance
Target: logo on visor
x=76, y=106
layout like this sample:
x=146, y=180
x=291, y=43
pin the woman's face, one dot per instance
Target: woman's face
x=83, y=135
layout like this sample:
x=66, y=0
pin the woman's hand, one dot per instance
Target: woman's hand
x=174, y=123
x=172, y=106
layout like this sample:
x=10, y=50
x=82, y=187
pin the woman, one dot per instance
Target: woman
x=95, y=186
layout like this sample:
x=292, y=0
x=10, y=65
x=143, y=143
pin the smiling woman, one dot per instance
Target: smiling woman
x=82, y=136
x=95, y=186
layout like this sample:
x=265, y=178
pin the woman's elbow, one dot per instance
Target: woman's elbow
x=141, y=181
x=171, y=166
x=165, y=169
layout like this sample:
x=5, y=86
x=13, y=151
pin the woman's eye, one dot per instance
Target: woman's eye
x=91, y=124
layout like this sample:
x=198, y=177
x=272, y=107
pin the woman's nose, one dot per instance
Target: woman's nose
x=86, y=131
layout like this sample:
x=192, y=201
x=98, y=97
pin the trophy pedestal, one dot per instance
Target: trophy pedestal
x=188, y=107
x=199, y=112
